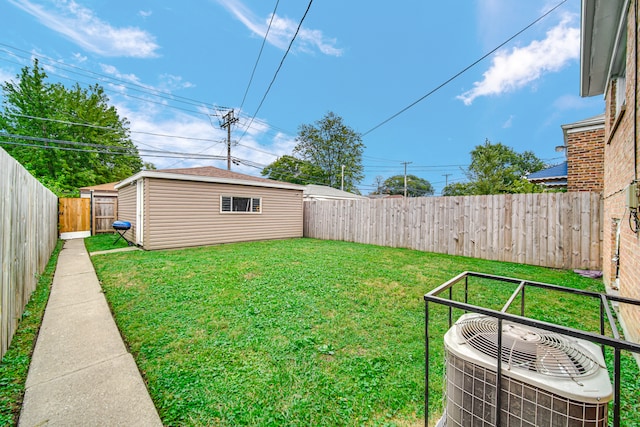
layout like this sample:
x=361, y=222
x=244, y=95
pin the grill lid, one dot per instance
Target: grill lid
x=121, y=225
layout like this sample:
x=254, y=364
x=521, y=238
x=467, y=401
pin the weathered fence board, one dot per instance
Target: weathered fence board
x=559, y=230
x=104, y=211
x=28, y=234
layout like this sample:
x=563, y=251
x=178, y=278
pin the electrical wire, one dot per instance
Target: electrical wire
x=112, y=129
x=140, y=88
x=278, y=69
x=255, y=66
x=464, y=70
x=145, y=89
x=88, y=73
x=104, y=149
x=167, y=155
x=107, y=89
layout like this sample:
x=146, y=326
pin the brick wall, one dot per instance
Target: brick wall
x=620, y=157
x=585, y=160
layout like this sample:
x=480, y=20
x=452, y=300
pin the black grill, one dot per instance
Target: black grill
x=121, y=228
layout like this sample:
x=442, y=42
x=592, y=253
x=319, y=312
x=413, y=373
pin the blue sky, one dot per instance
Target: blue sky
x=172, y=68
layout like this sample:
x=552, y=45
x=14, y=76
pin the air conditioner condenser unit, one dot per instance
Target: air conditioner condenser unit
x=548, y=379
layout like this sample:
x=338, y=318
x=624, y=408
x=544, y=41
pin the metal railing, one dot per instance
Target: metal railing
x=605, y=300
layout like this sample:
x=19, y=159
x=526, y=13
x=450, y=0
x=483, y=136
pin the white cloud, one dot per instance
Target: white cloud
x=113, y=71
x=508, y=123
x=81, y=26
x=171, y=82
x=152, y=129
x=79, y=57
x=521, y=66
x=145, y=13
x=6, y=75
x=168, y=82
x=282, y=30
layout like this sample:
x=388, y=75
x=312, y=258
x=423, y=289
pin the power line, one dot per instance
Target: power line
x=103, y=149
x=123, y=84
x=126, y=95
x=264, y=40
x=279, y=67
x=88, y=73
x=84, y=150
x=251, y=120
x=89, y=125
x=143, y=89
x=464, y=70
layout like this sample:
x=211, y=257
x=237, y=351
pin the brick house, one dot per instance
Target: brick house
x=609, y=58
x=584, y=145
x=584, y=168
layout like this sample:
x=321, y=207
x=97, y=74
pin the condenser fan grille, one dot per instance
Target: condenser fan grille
x=528, y=348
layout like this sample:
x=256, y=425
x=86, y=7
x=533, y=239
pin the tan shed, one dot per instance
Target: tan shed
x=174, y=208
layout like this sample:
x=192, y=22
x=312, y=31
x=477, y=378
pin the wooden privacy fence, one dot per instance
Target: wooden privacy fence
x=104, y=211
x=74, y=214
x=560, y=230
x=28, y=235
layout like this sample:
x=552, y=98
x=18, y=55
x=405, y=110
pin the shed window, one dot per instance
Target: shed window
x=240, y=204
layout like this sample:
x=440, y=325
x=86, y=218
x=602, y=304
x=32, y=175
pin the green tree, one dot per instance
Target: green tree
x=416, y=187
x=290, y=169
x=497, y=169
x=333, y=147
x=66, y=137
x=457, y=189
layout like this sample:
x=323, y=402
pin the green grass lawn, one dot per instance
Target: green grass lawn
x=104, y=242
x=15, y=363
x=304, y=332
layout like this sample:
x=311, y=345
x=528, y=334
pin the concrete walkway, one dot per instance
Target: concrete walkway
x=81, y=373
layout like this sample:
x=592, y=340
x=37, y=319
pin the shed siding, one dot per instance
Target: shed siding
x=127, y=209
x=187, y=213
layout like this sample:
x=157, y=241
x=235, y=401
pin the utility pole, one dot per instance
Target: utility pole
x=229, y=119
x=446, y=178
x=342, y=181
x=405, y=177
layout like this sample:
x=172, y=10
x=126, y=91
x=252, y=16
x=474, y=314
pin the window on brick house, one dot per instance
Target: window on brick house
x=621, y=93
x=615, y=277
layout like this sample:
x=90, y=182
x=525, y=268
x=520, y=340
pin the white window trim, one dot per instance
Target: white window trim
x=621, y=93
x=250, y=212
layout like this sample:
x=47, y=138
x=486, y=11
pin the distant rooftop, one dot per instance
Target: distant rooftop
x=552, y=176
x=323, y=192
x=101, y=187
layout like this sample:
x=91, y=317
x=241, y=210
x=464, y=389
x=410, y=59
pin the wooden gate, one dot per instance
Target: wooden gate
x=105, y=211
x=74, y=215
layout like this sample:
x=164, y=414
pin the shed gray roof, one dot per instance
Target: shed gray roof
x=210, y=174
x=312, y=191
